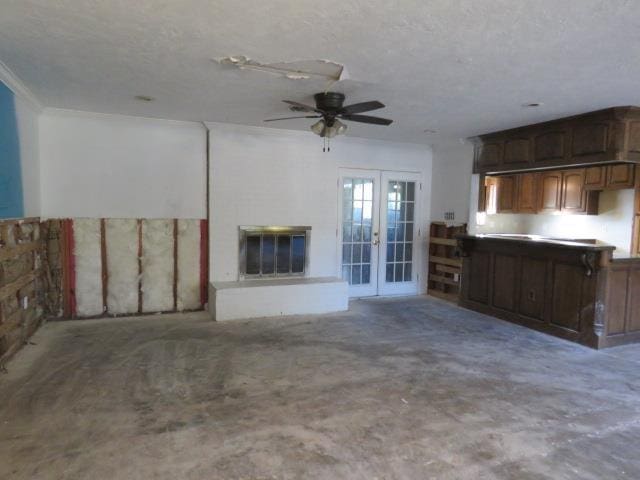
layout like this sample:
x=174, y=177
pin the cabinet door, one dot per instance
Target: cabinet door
x=549, y=191
x=573, y=193
x=620, y=176
x=507, y=194
x=488, y=155
x=595, y=178
x=527, y=193
x=575, y=198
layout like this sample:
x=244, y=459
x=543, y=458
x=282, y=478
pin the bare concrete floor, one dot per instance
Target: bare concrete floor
x=395, y=389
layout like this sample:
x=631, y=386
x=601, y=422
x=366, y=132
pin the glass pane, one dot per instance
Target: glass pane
x=399, y=252
x=409, y=232
x=400, y=232
x=411, y=186
x=357, y=212
x=347, y=211
x=366, y=253
x=346, y=254
x=389, y=275
x=346, y=232
x=367, y=211
x=347, y=189
x=297, y=251
x=398, y=272
x=390, y=254
x=368, y=190
x=403, y=212
x=357, y=253
x=366, y=233
x=346, y=273
x=252, y=266
x=366, y=274
x=392, y=216
x=398, y=188
x=407, y=272
x=408, y=253
x=355, y=275
x=391, y=234
x=283, y=255
x=357, y=233
x=358, y=189
x=410, y=206
x=268, y=254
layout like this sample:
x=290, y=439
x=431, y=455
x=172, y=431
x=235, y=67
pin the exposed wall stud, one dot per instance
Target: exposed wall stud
x=105, y=271
x=175, y=264
x=139, y=265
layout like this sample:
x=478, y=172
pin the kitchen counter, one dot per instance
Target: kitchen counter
x=553, y=285
x=588, y=244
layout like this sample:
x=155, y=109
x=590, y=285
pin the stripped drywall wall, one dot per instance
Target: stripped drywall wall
x=139, y=266
x=11, y=204
x=88, y=264
x=122, y=265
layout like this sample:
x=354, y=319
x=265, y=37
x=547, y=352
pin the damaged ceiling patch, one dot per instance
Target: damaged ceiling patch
x=298, y=70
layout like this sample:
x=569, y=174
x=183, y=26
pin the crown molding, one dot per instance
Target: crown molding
x=16, y=85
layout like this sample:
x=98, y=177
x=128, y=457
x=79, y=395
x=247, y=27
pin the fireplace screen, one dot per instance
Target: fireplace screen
x=274, y=251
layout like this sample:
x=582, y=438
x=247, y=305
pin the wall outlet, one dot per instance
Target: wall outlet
x=449, y=215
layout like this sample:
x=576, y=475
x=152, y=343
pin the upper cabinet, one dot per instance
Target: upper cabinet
x=610, y=177
x=549, y=191
x=601, y=137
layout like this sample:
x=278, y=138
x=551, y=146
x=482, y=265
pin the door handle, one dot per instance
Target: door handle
x=375, y=242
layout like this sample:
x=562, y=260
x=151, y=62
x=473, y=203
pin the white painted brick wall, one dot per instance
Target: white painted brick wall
x=277, y=177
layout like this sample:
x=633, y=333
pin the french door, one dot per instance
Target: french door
x=378, y=234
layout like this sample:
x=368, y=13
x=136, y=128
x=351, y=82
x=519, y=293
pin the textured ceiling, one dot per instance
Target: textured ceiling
x=457, y=67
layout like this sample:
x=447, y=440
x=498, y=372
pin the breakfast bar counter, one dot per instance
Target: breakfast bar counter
x=570, y=288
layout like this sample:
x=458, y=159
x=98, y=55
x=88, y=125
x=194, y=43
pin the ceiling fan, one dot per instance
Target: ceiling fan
x=329, y=108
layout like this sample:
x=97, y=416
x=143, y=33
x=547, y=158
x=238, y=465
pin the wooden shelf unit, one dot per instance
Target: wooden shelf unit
x=445, y=267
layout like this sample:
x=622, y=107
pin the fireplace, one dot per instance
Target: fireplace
x=274, y=251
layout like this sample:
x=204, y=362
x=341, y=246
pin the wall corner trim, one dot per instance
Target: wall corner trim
x=18, y=87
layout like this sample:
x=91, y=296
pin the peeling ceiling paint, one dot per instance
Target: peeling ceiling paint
x=459, y=68
x=297, y=70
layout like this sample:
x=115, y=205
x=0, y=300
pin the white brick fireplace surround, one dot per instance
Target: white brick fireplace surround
x=262, y=176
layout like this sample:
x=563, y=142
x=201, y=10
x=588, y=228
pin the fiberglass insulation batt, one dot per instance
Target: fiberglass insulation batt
x=157, y=265
x=188, y=264
x=88, y=265
x=122, y=265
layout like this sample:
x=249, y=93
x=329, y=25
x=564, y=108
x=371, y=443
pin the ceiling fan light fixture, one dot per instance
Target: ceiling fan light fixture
x=340, y=127
x=318, y=127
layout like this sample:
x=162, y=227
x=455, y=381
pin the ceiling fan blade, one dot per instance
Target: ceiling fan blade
x=367, y=119
x=362, y=107
x=302, y=106
x=289, y=118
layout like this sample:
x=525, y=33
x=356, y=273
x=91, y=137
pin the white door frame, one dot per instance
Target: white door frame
x=378, y=284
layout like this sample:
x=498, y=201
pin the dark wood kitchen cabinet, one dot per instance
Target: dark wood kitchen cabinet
x=602, y=137
x=507, y=194
x=620, y=176
x=574, y=198
x=549, y=191
x=573, y=290
x=527, y=193
x=610, y=177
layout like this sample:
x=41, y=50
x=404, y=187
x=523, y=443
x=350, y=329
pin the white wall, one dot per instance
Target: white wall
x=95, y=165
x=27, y=117
x=452, y=165
x=278, y=177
